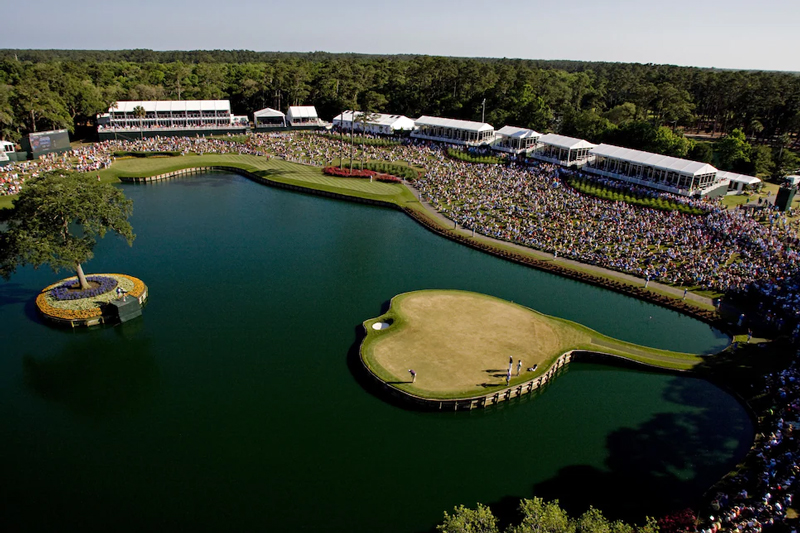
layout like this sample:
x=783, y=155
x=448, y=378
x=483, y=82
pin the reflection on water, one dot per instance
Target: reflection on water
x=94, y=378
x=672, y=454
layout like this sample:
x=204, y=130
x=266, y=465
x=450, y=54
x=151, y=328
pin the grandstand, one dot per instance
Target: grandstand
x=170, y=117
x=453, y=131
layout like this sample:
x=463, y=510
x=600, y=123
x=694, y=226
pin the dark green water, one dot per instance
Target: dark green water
x=230, y=404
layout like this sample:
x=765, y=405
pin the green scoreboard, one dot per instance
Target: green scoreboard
x=46, y=142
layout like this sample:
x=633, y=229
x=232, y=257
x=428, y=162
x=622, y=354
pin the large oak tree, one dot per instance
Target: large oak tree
x=56, y=220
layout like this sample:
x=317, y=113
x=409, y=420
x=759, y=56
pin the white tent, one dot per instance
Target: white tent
x=515, y=140
x=380, y=123
x=672, y=174
x=269, y=117
x=299, y=115
x=563, y=150
x=452, y=130
x=737, y=182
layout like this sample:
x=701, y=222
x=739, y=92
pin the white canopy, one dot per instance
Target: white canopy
x=127, y=106
x=302, y=111
x=518, y=133
x=6, y=146
x=268, y=112
x=452, y=123
x=375, y=118
x=562, y=141
x=663, y=162
x=738, y=178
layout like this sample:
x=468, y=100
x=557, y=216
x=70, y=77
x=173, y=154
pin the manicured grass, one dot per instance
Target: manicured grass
x=459, y=344
x=274, y=168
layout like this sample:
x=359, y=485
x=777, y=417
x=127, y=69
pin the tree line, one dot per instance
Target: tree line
x=643, y=106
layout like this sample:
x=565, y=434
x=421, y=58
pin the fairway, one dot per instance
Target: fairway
x=459, y=344
x=273, y=168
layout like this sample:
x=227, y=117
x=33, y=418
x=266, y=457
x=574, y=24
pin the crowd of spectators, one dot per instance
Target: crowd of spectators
x=97, y=156
x=726, y=250
x=765, y=489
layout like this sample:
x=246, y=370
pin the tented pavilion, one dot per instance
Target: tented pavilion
x=562, y=150
x=376, y=123
x=453, y=131
x=173, y=114
x=515, y=140
x=303, y=115
x=679, y=176
x=269, y=118
x=737, y=183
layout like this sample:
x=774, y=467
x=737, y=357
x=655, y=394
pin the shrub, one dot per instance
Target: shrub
x=470, y=158
x=357, y=173
x=147, y=154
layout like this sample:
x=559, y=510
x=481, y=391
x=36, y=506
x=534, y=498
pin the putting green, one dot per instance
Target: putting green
x=459, y=344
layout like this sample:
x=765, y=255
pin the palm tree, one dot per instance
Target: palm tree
x=140, y=113
x=365, y=117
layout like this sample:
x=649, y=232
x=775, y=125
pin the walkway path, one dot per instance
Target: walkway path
x=570, y=263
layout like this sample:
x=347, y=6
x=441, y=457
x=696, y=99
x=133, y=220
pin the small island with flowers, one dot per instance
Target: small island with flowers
x=56, y=221
x=109, y=298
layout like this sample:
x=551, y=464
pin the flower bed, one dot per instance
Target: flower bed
x=340, y=172
x=68, y=290
x=77, y=310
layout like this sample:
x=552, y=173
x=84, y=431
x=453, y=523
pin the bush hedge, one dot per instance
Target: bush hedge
x=368, y=141
x=172, y=153
x=356, y=173
x=470, y=158
x=617, y=195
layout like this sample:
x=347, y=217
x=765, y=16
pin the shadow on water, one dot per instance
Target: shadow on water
x=363, y=377
x=15, y=293
x=95, y=378
x=669, y=458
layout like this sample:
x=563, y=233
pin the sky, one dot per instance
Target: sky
x=736, y=34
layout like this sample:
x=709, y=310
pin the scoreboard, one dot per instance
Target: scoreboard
x=46, y=142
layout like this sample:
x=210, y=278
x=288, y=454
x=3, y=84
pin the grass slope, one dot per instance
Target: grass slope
x=459, y=343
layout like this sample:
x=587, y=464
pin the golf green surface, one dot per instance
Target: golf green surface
x=459, y=344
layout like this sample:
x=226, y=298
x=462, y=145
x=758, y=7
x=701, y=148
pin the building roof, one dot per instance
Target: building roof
x=663, y=162
x=518, y=133
x=127, y=106
x=381, y=119
x=6, y=145
x=739, y=178
x=562, y=141
x=452, y=123
x=268, y=112
x=303, y=111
